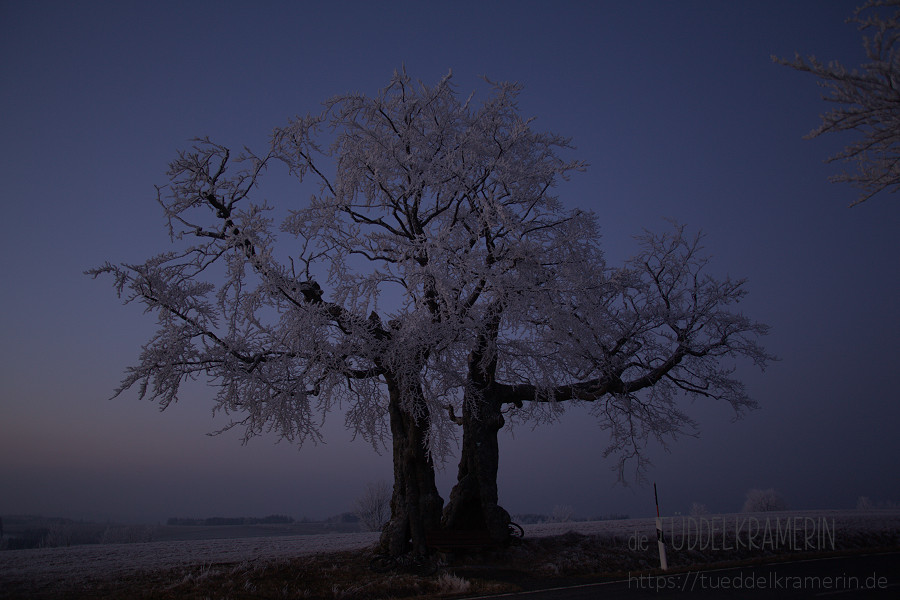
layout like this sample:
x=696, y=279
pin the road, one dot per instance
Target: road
x=837, y=578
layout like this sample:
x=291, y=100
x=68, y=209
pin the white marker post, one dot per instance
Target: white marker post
x=659, y=535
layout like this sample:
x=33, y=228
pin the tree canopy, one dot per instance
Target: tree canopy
x=432, y=279
x=865, y=100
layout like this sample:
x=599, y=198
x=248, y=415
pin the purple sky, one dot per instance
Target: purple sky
x=676, y=106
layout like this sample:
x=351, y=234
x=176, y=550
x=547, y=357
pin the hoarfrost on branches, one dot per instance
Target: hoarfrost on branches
x=630, y=340
x=865, y=100
x=432, y=279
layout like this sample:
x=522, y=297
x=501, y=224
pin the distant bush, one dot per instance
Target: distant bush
x=698, y=510
x=864, y=503
x=562, y=513
x=764, y=501
x=373, y=508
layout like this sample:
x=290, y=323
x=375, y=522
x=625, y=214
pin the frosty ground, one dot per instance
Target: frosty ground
x=700, y=539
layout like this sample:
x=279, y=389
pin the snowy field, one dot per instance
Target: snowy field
x=745, y=525
x=112, y=561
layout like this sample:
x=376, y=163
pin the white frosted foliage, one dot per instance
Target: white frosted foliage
x=432, y=230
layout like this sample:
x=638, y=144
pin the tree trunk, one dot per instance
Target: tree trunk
x=415, y=503
x=473, y=501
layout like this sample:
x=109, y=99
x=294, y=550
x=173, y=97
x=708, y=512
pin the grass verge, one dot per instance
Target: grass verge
x=532, y=564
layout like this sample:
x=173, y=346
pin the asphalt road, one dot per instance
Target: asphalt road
x=837, y=578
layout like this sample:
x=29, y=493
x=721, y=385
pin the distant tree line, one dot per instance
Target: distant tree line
x=230, y=521
x=343, y=519
x=25, y=532
x=535, y=519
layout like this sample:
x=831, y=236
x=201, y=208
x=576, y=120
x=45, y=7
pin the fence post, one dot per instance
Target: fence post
x=660, y=541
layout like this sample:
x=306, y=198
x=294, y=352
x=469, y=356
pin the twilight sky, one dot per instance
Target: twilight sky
x=677, y=107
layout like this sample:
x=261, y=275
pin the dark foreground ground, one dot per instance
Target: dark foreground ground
x=864, y=576
x=533, y=564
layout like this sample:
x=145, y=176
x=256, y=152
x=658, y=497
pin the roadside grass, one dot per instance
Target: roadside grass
x=533, y=563
x=331, y=576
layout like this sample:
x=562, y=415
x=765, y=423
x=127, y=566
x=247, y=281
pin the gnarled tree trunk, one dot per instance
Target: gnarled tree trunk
x=473, y=500
x=415, y=504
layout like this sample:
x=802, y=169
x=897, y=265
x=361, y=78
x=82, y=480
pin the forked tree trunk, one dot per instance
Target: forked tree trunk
x=415, y=503
x=473, y=500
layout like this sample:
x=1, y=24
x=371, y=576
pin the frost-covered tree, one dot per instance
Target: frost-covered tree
x=698, y=509
x=866, y=100
x=764, y=501
x=373, y=507
x=432, y=279
x=561, y=513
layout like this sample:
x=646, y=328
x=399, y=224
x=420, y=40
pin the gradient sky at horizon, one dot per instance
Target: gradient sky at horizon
x=679, y=110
